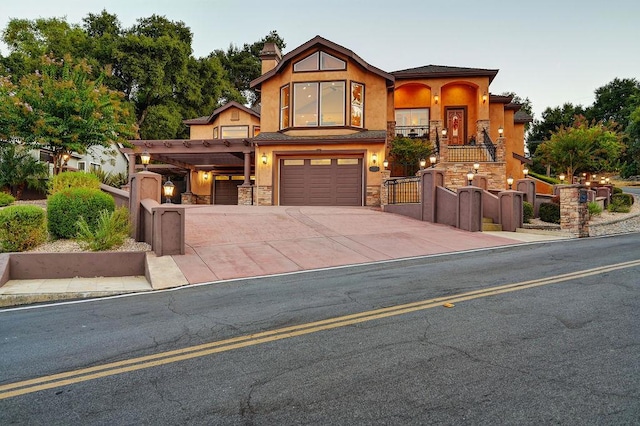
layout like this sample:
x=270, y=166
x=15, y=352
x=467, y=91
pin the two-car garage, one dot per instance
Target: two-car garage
x=321, y=181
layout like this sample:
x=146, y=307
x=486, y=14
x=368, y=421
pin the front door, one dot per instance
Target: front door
x=456, y=125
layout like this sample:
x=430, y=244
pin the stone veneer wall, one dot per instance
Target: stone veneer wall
x=264, y=195
x=245, y=195
x=384, y=189
x=373, y=195
x=456, y=174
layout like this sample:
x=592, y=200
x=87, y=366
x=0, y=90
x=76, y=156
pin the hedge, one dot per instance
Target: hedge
x=6, y=199
x=624, y=199
x=22, y=228
x=66, y=180
x=550, y=212
x=65, y=208
x=527, y=212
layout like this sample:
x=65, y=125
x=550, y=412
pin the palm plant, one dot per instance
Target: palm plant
x=19, y=169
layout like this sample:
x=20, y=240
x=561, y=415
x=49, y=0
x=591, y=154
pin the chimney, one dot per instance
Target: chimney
x=270, y=56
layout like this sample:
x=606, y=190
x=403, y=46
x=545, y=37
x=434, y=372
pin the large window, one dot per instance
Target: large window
x=284, y=107
x=234, y=132
x=319, y=104
x=320, y=61
x=412, y=117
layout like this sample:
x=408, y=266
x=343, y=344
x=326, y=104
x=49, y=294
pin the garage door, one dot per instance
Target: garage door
x=226, y=192
x=321, y=182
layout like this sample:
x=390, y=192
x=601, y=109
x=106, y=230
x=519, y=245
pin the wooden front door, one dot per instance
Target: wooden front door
x=456, y=126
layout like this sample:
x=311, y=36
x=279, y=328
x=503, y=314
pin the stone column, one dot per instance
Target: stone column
x=384, y=189
x=574, y=213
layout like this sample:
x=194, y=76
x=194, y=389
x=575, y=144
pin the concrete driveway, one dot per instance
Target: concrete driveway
x=225, y=242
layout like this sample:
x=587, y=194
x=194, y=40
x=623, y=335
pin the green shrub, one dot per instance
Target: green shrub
x=6, y=199
x=594, y=208
x=22, y=228
x=617, y=190
x=115, y=180
x=625, y=199
x=527, y=212
x=548, y=179
x=617, y=205
x=110, y=231
x=65, y=208
x=550, y=212
x=66, y=180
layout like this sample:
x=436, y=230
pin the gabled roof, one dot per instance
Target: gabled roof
x=218, y=111
x=441, y=71
x=318, y=41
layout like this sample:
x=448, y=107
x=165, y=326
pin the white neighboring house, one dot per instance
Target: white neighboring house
x=109, y=160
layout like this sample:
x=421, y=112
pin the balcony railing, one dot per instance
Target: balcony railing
x=421, y=132
x=468, y=153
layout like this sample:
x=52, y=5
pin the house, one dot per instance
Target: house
x=326, y=122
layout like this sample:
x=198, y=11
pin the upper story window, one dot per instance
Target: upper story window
x=412, y=122
x=320, y=61
x=357, y=104
x=284, y=106
x=319, y=104
x=234, y=132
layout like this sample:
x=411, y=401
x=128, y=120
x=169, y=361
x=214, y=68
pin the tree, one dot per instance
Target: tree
x=407, y=153
x=631, y=166
x=552, y=119
x=582, y=147
x=615, y=101
x=20, y=169
x=59, y=108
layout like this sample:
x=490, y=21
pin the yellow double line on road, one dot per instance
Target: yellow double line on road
x=81, y=375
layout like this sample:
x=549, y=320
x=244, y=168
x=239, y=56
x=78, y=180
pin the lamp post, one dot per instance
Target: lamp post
x=433, y=160
x=444, y=132
x=510, y=182
x=500, y=131
x=476, y=166
x=168, y=189
x=385, y=164
x=145, y=158
x=561, y=177
x=525, y=172
x=423, y=163
x=470, y=178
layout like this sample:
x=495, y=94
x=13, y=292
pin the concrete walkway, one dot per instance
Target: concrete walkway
x=226, y=242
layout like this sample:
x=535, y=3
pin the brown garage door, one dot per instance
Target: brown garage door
x=226, y=192
x=321, y=182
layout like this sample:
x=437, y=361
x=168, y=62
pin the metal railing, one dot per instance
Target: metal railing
x=421, y=132
x=403, y=190
x=491, y=148
x=468, y=153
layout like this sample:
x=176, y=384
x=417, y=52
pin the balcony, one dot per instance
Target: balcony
x=421, y=132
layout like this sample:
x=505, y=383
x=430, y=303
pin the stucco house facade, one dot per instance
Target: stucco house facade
x=326, y=123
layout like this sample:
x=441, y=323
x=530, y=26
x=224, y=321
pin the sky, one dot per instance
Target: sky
x=550, y=51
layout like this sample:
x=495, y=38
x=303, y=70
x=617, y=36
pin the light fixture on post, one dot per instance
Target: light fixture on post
x=470, y=178
x=145, y=158
x=444, y=132
x=385, y=163
x=484, y=98
x=607, y=181
x=476, y=166
x=264, y=158
x=561, y=177
x=374, y=158
x=587, y=183
x=433, y=160
x=65, y=157
x=436, y=99
x=602, y=181
x=168, y=189
x=594, y=177
x=423, y=163
x=525, y=172
x=500, y=131
x=510, y=182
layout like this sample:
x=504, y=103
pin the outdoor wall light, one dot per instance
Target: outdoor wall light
x=205, y=176
x=594, y=177
x=168, y=189
x=500, y=131
x=510, y=182
x=374, y=158
x=444, y=132
x=476, y=166
x=433, y=160
x=470, y=178
x=65, y=157
x=436, y=98
x=587, y=183
x=561, y=177
x=484, y=98
x=264, y=158
x=423, y=163
x=385, y=163
x=606, y=180
x=525, y=172
x=145, y=157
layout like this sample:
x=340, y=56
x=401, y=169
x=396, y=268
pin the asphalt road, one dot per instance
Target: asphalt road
x=347, y=346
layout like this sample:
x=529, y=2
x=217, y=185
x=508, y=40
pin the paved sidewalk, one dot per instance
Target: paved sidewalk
x=227, y=242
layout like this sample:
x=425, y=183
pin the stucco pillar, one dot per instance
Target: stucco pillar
x=480, y=181
x=511, y=210
x=528, y=187
x=573, y=210
x=143, y=185
x=431, y=179
x=470, y=208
